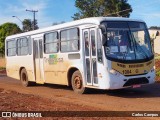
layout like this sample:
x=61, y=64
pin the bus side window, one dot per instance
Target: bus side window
x=69, y=40
x=51, y=42
x=99, y=49
x=22, y=46
x=11, y=47
x=36, y=49
x=40, y=49
x=30, y=46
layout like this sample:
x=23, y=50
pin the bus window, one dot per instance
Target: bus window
x=93, y=43
x=95, y=70
x=70, y=40
x=41, y=48
x=30, y=46
x=86, y=43
x=51, y=42
x=88, y=70
x=36, y=49
x=22, y=46
x=11, y=48
x=99, y=48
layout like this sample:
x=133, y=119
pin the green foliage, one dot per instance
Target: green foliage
x=155, y=27
x=158, y=73
x=2, y=68
x=95, y=8
x=7, y=29
x=28, y=25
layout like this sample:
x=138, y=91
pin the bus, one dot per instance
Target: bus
x=97, y=52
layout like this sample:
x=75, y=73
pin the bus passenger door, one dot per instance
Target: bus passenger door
x=89, y=36
x=38, y=60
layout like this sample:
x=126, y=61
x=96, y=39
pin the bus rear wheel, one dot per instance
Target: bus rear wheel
x=24, y=78
x=77, y=83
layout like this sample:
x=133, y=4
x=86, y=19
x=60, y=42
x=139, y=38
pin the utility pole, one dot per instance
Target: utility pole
x=34, y=20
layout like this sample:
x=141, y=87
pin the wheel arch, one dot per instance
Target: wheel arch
x=70, y=73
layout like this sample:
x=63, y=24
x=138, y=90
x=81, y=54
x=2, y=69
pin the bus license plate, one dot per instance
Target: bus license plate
x=136, y=86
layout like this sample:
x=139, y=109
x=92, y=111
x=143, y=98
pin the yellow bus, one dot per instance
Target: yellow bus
x=98, y=52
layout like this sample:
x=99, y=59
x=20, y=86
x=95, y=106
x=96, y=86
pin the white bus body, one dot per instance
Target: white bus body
x=79, y=53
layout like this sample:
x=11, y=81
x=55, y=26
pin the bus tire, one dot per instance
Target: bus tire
x=24, y=78
x=77, y=83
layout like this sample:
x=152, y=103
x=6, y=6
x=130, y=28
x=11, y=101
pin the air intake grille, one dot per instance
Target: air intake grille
x=135, y=81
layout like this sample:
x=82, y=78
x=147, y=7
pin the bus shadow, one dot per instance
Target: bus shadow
x=3, y=75
x=54, y=86
x=148, y=91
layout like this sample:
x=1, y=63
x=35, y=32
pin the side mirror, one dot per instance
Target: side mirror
x=104, y=33
x=103, y=29
x=157, y=34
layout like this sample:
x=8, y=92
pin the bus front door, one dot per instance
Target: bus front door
x=90, y=67
x=38, y=60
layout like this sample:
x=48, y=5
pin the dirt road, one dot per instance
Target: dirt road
x=146, y=98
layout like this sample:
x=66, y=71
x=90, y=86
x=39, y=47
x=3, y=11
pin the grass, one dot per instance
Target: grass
x=157, y=57
x=2, y=68
x=158, y=73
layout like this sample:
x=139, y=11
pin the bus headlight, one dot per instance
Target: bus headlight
x=114, y=72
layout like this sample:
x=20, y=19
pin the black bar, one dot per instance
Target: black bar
x=79, y=114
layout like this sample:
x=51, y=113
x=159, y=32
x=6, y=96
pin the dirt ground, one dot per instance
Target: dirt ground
x=3, y=72
x=14, y=101
x=48, y=97
x=14, y=97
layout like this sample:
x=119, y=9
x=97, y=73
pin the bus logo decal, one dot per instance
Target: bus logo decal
x=53, y=59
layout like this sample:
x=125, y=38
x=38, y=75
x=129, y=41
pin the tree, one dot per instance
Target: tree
x=28, y=25
x=155, y=27
x=7, y=29
x=35, y=26
x=95, y=8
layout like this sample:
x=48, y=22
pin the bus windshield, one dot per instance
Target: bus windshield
x=127, y=41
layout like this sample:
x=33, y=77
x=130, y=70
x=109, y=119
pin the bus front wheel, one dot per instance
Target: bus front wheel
x=24, y=78
x=77, y=83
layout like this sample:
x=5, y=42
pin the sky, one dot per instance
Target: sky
x=52, y=11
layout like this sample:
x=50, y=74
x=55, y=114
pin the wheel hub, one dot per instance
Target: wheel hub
x=77, y=82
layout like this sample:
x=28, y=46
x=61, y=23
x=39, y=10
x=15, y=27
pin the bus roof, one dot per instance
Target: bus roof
x=91, y=20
